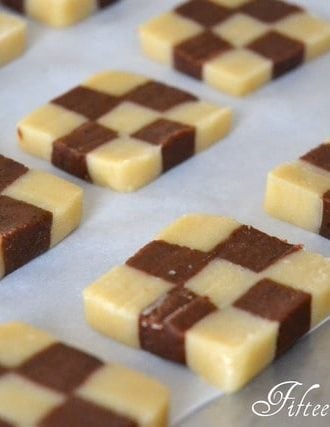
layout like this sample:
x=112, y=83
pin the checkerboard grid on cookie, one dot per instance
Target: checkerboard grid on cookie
x=235, y=46
x=122, y=130
x=46, y=383
x=12, y=38
x=299, y=192
x=179, y=300
x=33, y=218
x=55, y=13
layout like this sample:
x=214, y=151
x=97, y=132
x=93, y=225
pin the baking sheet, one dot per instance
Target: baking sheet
x=276, y=124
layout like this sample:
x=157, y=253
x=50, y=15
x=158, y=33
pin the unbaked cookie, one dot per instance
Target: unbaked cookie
x=122, y=130
x=223, y=298
x=235, y=45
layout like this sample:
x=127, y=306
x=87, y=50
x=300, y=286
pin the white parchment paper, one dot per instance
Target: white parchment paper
x=276, y=124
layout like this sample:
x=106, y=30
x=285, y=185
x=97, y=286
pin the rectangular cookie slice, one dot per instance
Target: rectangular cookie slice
x=299, y=192
x=12, y=38
x=235, y=45
x=223, y=298
x=37, y=211
x=122, y=130
x=57, y=13
x=46, y=383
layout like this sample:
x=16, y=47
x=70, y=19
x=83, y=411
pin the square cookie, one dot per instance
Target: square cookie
x=12, y=38
x=57, y=13
x=235, y=45
x=299, y=192
x=37, y=211
x=46, y=383
x=122, y=130
x=223, y=298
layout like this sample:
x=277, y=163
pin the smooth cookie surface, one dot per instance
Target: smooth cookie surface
x=122, y=130
x=57, y=13
x=223, y=298
x=235, y=46
x=37, y=211
x=299, y=192
x=45, y=383
x=12, y=38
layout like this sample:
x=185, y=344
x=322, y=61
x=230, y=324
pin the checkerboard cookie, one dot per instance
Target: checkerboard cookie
x=37, y=211
x=223, y=298
x=45, y=383
x=12, y=38
x=235, y=45
x=299, y=192
x=57, y=13
x=122, y=130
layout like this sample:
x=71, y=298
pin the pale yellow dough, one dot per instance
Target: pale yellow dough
x=223, y=282
x=241, y=29
x=129, y=392
x=125, y=164
x=60, y=13
x=12, y=38
x=294, y=194
x=197, y=231
x=25, y=403
x=238, y=72
x=115, y=83
x=230, y=347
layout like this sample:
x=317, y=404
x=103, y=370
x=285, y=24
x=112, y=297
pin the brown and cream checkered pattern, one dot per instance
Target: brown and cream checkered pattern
x=30, y=216
x=147, y=125
x=235, y=46
x=45, y=383
x=208, y=268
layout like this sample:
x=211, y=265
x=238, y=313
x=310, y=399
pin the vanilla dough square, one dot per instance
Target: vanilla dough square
x=57, y=13
x=12, y=38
